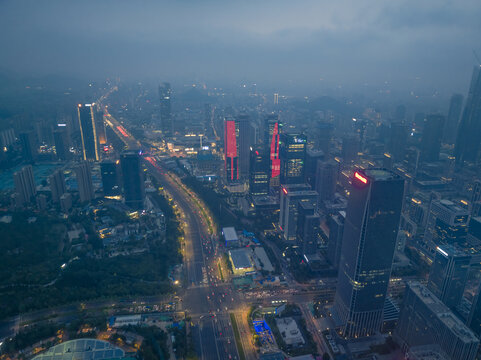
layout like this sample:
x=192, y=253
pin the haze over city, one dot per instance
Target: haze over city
x=250, y=180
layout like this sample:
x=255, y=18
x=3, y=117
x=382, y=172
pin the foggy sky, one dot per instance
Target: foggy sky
x=410, y=44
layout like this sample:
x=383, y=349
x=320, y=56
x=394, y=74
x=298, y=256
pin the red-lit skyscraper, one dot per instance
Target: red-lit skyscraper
x=272, y=128
x=230, y=149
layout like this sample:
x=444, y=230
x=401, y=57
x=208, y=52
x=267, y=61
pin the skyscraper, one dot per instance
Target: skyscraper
x=165, y=94
x=432, y=137
x=468, y=139
x=29, y=145
x=88, y=132
x=244, y=142
x=84, y=181
x=134, y=190
x=290, y=197
x=61, y=144
x=474, y=318
x=57, y=185
x=259, y=172
x=425, y=320
x=293, y=158
x=448, y=275
x=368, y=244
x=272, y=131
x=336, y=230
x=451, y=127
x=110, y=183
x=231, y=162
x=326, y=179
x=350, y=148
x=308, y=227
x=398, y=140
x=100, y=128
x=24, y=185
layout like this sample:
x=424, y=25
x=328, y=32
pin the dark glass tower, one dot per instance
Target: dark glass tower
x=468, y=139
x=451, y=127
x=259, y=172
x=110, y=182
x=244, y=142
x=432, y=137
x=88, y=132
x=293, y=158
x=448, y=275
x=368, y=244
x=134, y=191
x=165, y=94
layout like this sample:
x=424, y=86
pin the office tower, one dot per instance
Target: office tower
x=350, y=148
x=88, y=132
x=447, y=223
x=259, y=172
x=84, y=181
x=29, y=145
x=272, y=131
x=24, y=185
x=293, y=157
x=451, y=127
x=244, y=142
x=425, y=320
x=290, y=197
x=61, y=144
x=110, y=178
x=100, y=128
x=134, y=190
x=368, y=243
x=57, y=185
x=398, y=140
x=65, y=202
x=448, y=275
x=276, y=98
x=231, y=157
x=308, y=228
x=335, y=223
x=312, y=157
x=476, y=199
x=326, y=180
x=432, y=137
x=165, y=94
x=400, y=113
x=468, y=139
x=323, y=139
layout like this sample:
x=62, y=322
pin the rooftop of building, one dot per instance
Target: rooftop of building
x=442, y=312
x=381, y=174
x=240, y=259
x=82, y=349
x=229, y=234
x=452, y=206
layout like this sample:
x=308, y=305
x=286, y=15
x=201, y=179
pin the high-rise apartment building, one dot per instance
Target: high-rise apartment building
x=84, y=181
x=57, y=185
x=134, y=190
x=24, y=185
x=369, y=240
x=468, y=139
x=448, y=275
x=29, y=145
x=88, y=132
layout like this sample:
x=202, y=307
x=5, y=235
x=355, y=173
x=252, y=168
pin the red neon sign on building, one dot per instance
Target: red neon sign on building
x=230, y=144
x=274, y=155
x=360, y=177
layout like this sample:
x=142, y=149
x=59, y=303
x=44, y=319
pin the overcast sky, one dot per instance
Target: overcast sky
x=410, y=43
